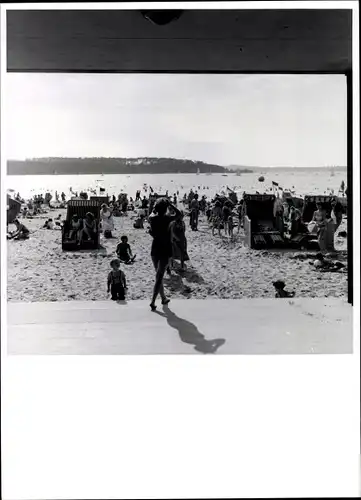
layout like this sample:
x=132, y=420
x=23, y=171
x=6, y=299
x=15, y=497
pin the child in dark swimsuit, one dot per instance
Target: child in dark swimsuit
x=116, y=281
x=21, y=233
x=281, y=293
x=124, y=252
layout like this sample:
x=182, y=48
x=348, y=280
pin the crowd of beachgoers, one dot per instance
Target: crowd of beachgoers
x=171, y=245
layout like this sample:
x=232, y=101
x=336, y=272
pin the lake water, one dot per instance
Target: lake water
x=302, y=181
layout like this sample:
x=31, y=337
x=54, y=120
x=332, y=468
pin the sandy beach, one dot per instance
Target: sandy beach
x=38, y=269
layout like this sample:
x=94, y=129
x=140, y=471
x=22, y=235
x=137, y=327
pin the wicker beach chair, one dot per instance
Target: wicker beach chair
x=259, y=225
x=13, y=210
x=81, y=208
x=308, y=240
x=310, y=207
x=100, y=199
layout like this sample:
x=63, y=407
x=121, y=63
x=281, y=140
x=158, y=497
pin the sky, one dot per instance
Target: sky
x=250, y=120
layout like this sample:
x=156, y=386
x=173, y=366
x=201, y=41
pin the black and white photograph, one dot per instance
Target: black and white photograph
x=181, y=190
x=202, y=198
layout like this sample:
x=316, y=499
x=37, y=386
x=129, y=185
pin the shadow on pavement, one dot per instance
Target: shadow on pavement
x=189, y=333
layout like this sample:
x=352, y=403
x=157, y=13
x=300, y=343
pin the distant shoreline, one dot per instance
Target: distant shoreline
x=131, y=166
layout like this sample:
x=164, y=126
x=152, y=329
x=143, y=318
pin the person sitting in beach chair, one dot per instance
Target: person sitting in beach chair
x=124, y=252
x=76, y=226
x=89, y=231
x=116, y=282
x=21, y=232
x=281, y=293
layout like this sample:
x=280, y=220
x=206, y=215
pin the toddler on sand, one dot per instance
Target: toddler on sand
x=281, y=293
x=117, y=284
x=124, y=252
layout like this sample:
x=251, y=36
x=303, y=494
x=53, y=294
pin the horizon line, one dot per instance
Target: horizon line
x=171, y=158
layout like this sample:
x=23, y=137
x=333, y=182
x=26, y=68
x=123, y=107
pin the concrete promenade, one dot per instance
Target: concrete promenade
x=248, y=326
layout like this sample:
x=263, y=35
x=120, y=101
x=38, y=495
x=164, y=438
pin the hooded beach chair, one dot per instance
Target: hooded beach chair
x=13, y=209
x=259, y=224
x=81, y=208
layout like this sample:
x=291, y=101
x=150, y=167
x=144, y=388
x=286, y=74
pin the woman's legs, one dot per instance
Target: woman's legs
x=160, y=266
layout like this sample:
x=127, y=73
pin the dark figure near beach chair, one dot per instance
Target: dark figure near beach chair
x=124, y=252
x=281, y=293
x=21, y=232
x=117, y=283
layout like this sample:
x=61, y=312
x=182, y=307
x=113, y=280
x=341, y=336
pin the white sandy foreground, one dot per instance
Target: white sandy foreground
x=247, y=326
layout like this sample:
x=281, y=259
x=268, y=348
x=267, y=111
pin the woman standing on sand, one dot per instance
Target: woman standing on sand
x=161, y=250
x=179, y=241
x=325, y=228
x=278, y=214
x=337, y=212
x=106, y=217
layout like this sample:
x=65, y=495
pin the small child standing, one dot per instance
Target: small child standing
x=116, y=281
x=124, y=252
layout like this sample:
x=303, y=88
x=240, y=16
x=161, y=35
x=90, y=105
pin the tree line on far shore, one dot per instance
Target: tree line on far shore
x=73, y=166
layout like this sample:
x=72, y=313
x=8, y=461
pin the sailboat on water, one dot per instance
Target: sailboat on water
x=198, y=171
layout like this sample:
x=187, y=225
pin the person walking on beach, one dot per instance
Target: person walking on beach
x=194, y=208
x=161, y=250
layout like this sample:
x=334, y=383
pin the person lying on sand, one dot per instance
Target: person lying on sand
x=21, y=232
x=281, y=293
x=124, y=252
x=322, y=264
x=117, y=283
